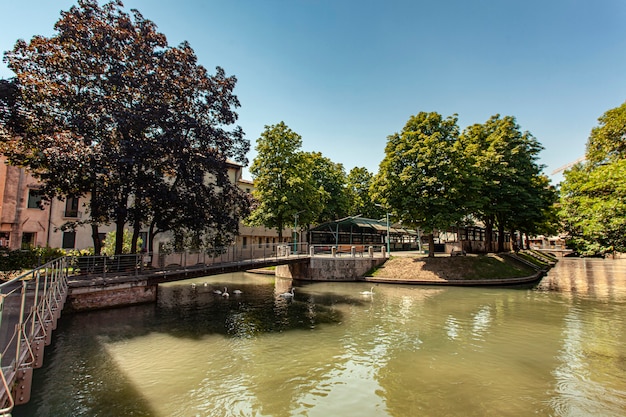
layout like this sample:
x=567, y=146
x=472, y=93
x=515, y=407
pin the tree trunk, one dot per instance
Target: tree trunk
x=120, y=222
x=133, y=244
x=431, y=245
x=500, y=238
x=488, y=233
x=95, y=235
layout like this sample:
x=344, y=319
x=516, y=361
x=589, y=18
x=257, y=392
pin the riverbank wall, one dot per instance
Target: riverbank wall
x=330, y=269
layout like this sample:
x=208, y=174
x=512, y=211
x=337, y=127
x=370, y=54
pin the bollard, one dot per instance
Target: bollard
x=312, y=251
x=383, y=250
x=353, y=251
x=333, y=251
x=370, y=251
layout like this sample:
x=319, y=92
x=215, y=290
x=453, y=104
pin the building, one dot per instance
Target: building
x=25, y=222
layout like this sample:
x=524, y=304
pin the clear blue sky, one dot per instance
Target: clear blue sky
x=346, y=74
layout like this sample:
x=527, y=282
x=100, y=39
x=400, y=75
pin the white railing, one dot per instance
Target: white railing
x=30, y=306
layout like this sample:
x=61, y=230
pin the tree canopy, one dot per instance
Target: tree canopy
x=419, y=180
x=283, y=183
x=115, y=113
x=506, y=186
x=593, y=193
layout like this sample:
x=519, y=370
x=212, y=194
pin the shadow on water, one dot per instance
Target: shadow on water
x=93, y=378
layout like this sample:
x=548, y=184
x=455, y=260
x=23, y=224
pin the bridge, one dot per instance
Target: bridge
x=31, y=304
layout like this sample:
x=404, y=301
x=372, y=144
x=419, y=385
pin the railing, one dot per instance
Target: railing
x=144, y=263
x=353, y=250
x=30, y=306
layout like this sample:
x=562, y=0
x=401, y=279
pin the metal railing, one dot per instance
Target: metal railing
x=87, y=267
x=30, y=306
x=352, y=250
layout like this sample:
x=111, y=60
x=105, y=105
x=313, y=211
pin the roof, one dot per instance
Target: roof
x=364, y=223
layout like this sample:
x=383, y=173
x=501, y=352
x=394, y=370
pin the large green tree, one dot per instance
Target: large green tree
x=330, y=181
x=506, y=186
x=113, y=112
x=419, y=179
x=593, y=193
x=358, y=184
x=283, y=185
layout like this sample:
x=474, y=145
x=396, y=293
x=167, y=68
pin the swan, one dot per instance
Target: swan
x=218, y=292
x=193, y=285
x=288, y=294
x=370, y=292
x=237, y=292
x=225, y=293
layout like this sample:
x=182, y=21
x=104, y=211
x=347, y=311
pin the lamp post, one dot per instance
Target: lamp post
x=295, y=230
x=387, y=211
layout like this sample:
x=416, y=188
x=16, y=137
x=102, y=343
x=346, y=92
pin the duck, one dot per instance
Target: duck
x=288, y=294
x=370, y=292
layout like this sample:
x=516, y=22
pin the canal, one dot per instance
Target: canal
x=558, y=349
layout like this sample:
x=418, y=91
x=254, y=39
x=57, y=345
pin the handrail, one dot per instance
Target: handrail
x=30, y=304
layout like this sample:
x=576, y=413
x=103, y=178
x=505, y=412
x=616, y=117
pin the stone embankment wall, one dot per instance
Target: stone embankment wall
x=100, y=295
x=330, y=269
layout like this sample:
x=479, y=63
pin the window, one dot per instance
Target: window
x=28, y=240
x=71, y=207
x=244, y=241
x=4, y=239
x=34, y=199
x=69, y=240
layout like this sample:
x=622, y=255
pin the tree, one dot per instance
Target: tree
x=507, y=188
x=419, y=179
x=358, y=184
x=283, y=184
x=607, y=142
x=330, y=181
x=593, y=193
x=115, y=113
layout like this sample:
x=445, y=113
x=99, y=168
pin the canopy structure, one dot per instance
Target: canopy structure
x=359, y=230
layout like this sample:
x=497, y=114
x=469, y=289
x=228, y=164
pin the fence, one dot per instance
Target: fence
x=138, y=264
x=30, y=306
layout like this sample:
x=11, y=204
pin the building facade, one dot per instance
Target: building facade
x=26, y=222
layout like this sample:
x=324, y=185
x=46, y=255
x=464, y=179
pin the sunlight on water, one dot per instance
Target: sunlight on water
x=403, y=351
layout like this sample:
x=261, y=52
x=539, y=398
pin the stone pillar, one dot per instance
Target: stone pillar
x=353, y=251
x=370, y=251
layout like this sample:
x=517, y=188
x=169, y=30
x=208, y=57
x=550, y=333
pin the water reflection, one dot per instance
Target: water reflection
x=329, y=350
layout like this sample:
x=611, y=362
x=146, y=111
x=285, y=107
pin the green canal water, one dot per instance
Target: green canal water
x=558, y=349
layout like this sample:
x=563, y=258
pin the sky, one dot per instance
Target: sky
x=346, y=74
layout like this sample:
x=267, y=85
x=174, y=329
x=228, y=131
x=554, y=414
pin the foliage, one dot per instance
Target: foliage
x=108, y=247
x=593, y=193
x=330, y=181
x=419, y=178
x=607, y=142
x=358, y=184
x=21, y=259
x=507, y=187
x=593, y=207
x=115, y=113
x=284, y=186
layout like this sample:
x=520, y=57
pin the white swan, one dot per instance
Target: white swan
x=237, y=292
x=370, y=292
x=193, y=285
x=225, y=293
x=218, y=292
x=288, y=294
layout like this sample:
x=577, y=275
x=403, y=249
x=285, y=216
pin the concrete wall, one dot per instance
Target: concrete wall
x=329, y=269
